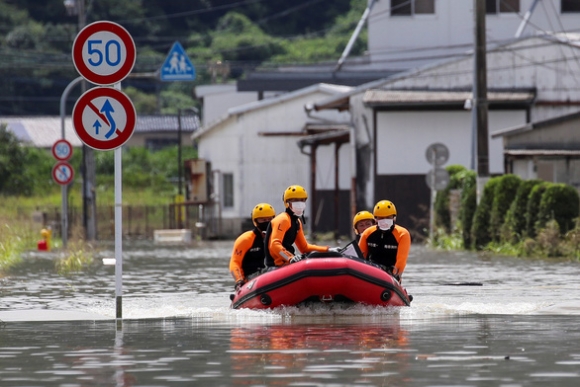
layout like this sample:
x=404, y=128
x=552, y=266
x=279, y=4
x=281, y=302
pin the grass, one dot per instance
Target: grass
x=15, y=238
x=19, y=233
x=548, y=243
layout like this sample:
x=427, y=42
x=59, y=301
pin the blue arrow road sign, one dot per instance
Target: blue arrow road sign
x=177, y=66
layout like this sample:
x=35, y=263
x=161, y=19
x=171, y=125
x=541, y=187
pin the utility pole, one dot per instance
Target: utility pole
x=480, y=97
x=88, y=161
x=77, y=7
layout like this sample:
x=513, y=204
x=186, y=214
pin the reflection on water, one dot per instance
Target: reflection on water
x=321, y=351
x=268, y=354
x=518, y=329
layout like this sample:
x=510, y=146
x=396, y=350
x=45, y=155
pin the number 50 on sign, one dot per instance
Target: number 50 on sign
x=104, y=53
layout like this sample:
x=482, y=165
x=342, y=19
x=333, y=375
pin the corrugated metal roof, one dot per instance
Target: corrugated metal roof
x=232, y=112
x=162, y=123
x=378, y=97
x=43, y=131
x=541, y=152
x=535, y=125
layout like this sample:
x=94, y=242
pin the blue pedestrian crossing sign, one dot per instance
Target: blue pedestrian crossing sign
x=177, y=66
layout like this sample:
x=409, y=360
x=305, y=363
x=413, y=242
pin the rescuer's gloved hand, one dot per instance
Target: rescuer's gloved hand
x=239, y=284
x=297, y=258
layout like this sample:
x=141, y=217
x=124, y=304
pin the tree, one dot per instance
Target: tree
x=12, y=162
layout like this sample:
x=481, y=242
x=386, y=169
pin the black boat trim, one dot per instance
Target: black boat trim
x=321, y=273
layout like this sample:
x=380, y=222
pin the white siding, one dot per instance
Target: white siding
x=264, y=166
x=427, y=38
x=403, y=137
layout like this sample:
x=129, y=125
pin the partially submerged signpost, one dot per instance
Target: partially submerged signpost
x=104, y=117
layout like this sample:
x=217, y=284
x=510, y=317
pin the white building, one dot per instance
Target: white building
x=397, y=119
x=393, y=120
x=405, y=34
x=253, y=153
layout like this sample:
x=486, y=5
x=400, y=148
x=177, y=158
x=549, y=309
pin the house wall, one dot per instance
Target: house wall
x=218, y=98
x=562, y=136
x=215, y=106
x=264, y=166
x=412, y=41
x=403, y=138
x=140, y=138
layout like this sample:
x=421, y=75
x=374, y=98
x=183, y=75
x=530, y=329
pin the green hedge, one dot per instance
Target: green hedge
x=533, y=206
x=515, y=220
x=505, y=193
x=561, y=203
x=468, y=205
x=481, y=219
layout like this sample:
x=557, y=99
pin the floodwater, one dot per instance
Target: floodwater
x=519, y=328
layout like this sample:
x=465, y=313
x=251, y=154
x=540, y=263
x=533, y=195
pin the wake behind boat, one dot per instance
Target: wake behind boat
x=322, y=277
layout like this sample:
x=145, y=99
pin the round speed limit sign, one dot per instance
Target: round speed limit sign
x=104, y=53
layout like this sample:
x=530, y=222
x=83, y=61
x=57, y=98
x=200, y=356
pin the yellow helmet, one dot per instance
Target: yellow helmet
x=294, y=192
x=361, y=215
x=262, y=210
x=385, y=208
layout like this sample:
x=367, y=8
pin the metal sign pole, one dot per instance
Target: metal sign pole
x=432, y=204
x=118, y=227
x=64, y=188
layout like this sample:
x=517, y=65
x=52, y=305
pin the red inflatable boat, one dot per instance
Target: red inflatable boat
x=322, y=277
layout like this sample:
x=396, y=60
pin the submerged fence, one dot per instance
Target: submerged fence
x=139, y=222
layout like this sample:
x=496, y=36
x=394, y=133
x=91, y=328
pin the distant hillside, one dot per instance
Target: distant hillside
x=36, y=38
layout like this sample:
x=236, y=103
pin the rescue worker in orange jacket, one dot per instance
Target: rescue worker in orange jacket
x=248, y=252
x=361, y=221
x=387, y=243
x=286, y=229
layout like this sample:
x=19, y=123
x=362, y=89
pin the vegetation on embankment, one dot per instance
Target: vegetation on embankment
x=149, y=178
x=529, y=218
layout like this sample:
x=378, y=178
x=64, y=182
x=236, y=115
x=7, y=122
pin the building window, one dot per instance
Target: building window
x=501, y=6
x=570, y=6
x=412, y=7
x=228, y=189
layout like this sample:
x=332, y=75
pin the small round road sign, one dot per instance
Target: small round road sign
x=437, y=179
x=104, y=118
x=63, y=173
x=437, y=154
x=104, y=53
x=62, y=150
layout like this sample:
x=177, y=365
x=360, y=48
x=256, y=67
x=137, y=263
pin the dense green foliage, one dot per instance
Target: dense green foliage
x=542, y=218
x=514, y=228
x=505, y=192
x=559, y=202
x=532, y=209
x=28, y=171
x=224, y=39
x=468, y=206
x=481, y=219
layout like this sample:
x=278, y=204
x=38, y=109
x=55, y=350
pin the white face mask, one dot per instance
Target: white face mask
x=298, y=208
x=385, y=224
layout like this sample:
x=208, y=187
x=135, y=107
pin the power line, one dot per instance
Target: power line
x=194, y=12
